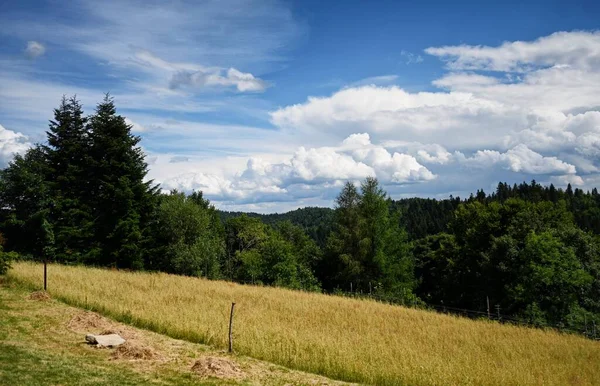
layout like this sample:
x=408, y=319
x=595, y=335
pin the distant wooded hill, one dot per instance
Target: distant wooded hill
x=422, y=217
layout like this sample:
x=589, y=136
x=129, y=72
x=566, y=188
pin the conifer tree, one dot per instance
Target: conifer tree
x=122, y=202
x=341, y=267
x=367, y=247
x=69, y=180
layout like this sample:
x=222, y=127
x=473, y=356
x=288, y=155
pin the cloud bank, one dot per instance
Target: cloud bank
x=516, y=111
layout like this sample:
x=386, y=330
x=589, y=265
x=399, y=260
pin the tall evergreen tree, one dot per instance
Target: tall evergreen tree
x=368, y=248
x=69, y=180
x=122, y=203
x=341, y=267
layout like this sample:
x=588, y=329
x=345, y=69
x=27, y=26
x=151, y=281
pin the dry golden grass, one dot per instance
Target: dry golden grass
x=49, y=332
x=346, y=339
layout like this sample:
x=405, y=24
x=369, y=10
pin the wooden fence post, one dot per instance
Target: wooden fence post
x=231, y=328
x=45, y=274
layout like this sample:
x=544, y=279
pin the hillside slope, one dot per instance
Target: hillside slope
x=41, y=343
x=345, y=339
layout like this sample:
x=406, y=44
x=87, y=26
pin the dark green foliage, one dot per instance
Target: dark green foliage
x=68, y=179
x=83, y=198
x=528, y=257
x=116, y=193
x=367, y=250
x=186, y=238
x=26, y=201
x=259, y=254
x=425, y=216
x=5, y=259
x=316, y=222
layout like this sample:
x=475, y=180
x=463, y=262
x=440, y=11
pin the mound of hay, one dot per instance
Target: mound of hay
x=217, y=367
x=86, y=321
x=41, y=296
x=131, y=350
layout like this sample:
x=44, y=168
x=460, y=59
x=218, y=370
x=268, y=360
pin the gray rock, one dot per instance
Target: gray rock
x=111, y=340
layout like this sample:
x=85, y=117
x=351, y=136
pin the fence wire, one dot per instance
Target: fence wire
x=493, y=314
x=590, y=330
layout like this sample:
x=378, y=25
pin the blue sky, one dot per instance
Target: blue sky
x=272, y=105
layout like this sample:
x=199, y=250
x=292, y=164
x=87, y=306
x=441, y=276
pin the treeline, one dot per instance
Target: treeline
x=82, y=198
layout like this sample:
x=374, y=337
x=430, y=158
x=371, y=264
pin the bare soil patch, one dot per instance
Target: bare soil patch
x=217, y=367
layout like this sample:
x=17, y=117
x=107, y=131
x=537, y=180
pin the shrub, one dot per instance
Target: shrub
x=5, y=259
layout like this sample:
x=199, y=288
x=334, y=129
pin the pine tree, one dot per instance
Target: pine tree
x=68, y=179
x=121, y=201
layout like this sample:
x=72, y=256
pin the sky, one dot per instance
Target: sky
x=268, y=105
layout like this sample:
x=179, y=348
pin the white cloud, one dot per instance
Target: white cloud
x=194, y=76
x=244, y=82
x=391, y=113
x=380, y=80
x=465, y=79
x=537, y=114
x=410, y=58
x=518, y=159
x=135, y=127
x=431, y=153
x=563, y=181
x=510, y=112
x=11, y=143
x=178, y=159
x=308, y=173
x=588, y=144
x=34, y=49
x=561, y=49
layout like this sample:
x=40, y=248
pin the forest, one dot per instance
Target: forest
x=82, y=197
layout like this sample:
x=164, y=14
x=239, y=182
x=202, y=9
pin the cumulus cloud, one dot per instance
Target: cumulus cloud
x=391, y=113
x=11, y=143
x=563, y=181
x=509, y=112
x=518, y=159
x=518, y=110
x=34, y=49
x=427, y=153
x=588, y=145
x=312, y=172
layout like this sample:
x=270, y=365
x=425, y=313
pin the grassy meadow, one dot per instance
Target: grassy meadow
x=346, y=339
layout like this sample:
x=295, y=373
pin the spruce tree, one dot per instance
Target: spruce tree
x=69, y=180
x=122, y=202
